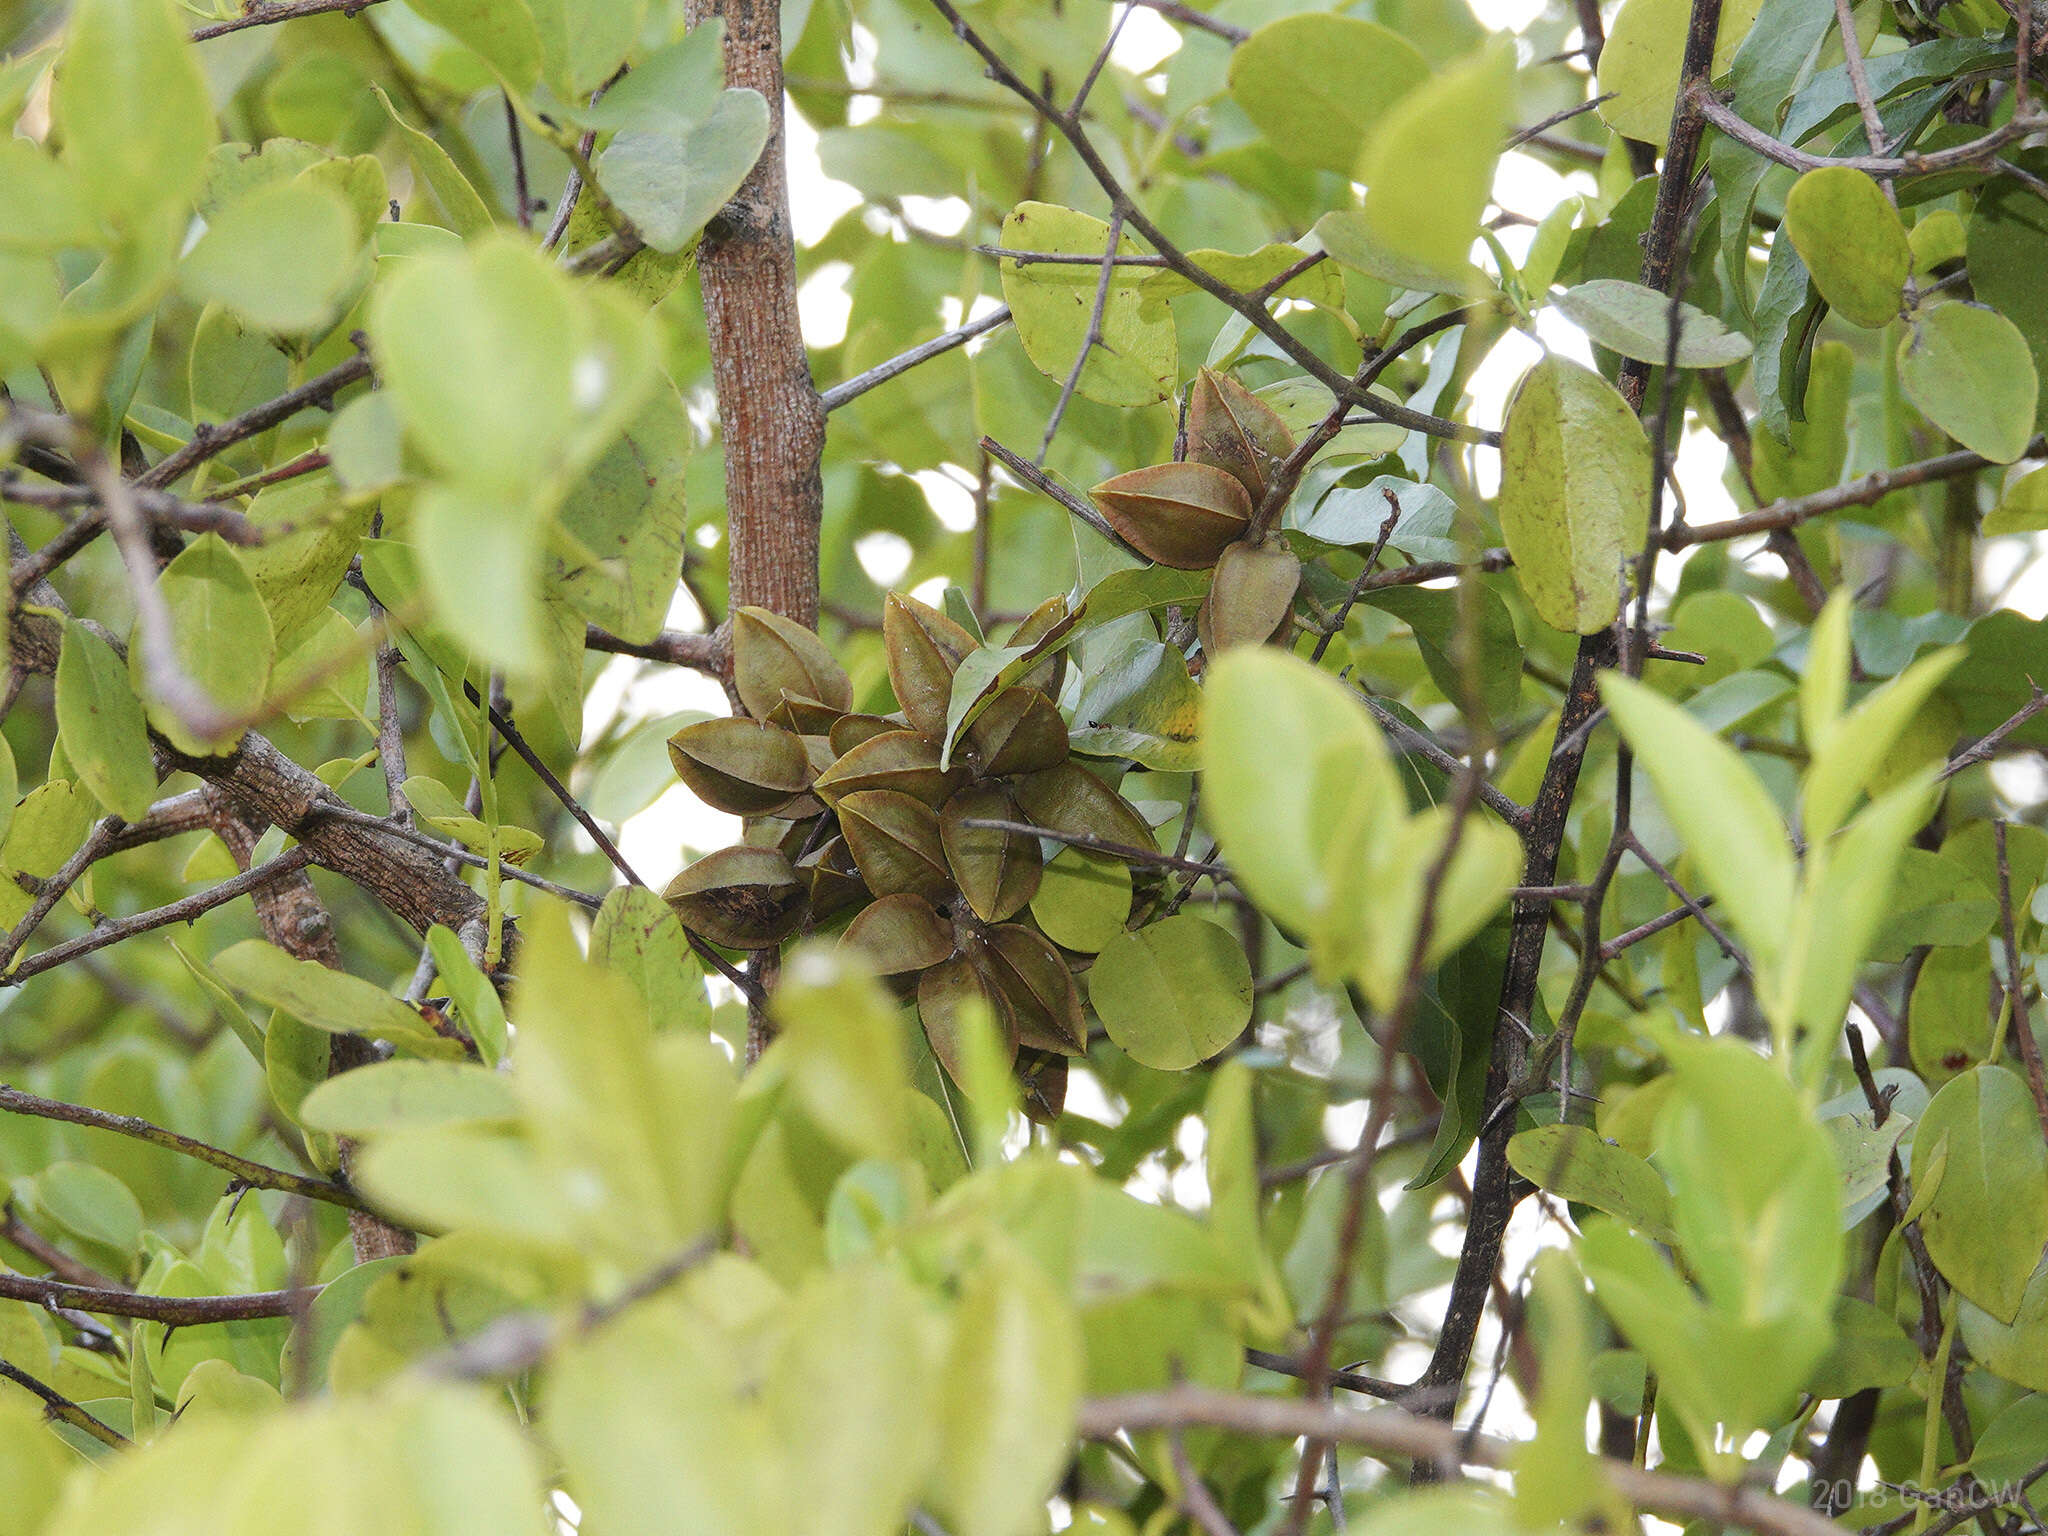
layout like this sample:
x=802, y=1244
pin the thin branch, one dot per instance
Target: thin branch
x=243, y=1170
x=1976, y=152
x=1045, y=485
x=1127, y=852
x=63, y=1265
x=208, y=441
x=1202, y=21
x=924, y=351
x=502, y=722
x=2015, y=985
x=265, y=13
x=177, y=1311
x=1253, y=313
x=353, y=817
x=520, y=1341
x=1409, y=740
x=1396, y=1433
x=1092, y=338
x=673, y=646
x=181, y=911
x=1987, y=745
x=59, y=1407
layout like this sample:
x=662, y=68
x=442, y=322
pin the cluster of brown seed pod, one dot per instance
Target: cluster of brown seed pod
x=1202, y=512
x=871, y=812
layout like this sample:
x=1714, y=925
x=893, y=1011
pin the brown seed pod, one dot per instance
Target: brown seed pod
x=923, y=647
x=1070, y=799
x=996, y=871
x=774, y=658
x=895, y=841
x=1032, y=978
x=741, y=897
x=1252, y=598
x=944, y=994
x=1018, y=732
x=742, y=767
x=829, y=873
x=807, y=717
x=1182, y=515
x=1042, y=1076
x=905, y=761
x=1233, y=430
x=1046, y=676
x=900, y=933
x=849, y=731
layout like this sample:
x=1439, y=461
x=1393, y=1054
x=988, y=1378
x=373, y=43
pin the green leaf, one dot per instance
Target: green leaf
x=132, y=108
x=2007, y=234
x=1636, y=322
x=1083, y=900
x=842, y=1044
x=1051, y=304
x=1858, y=749
x=625, y=517
x=1575, y=493
x=1296, y=781
x=1139, y=703
x=1852, y=242
x=220, y=636
x=329, y=1000
x=91, y=1203
x=670, y=178
x=100, y=724
x=1988, y=1221
x=279, y=258
x=637, y=936
x=1576, y=1163
x=1375, y=922
x=1730, y=825
x=1434, y=617
x=1428, y=164
x=389, y=1094
x=1316, y=85
x=466, y=212
x=475, y=999
x=1008, y=1393
x=702, y=1459
x=500, y=32
x=435, y=805
x=1970, y=372
x=480, y=351
x=1173, y=993
x=1639, y=63
x=851, y=1395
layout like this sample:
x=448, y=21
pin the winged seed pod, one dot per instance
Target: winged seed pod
x=996, y=871
x=923, y=648
x=741, y=897
x=1252, y=598
x=1042, y=1080
x=1048, y=675
x=742, y=767
x=1232, y=429
x=895, y=842
x=944, y=994
x=1182, y=515
x=1019, y=732
x=849, y=731
x=1072, y=800
x=905, y=761
x=1034, y=981
x=774, y=657
x=900, y=933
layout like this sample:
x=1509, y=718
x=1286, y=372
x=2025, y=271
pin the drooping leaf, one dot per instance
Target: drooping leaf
x=1988, y=1220
x=1575, y=493
x=100, y=723
x=1637, y=322
x=1852, y=242
x=1970, y=372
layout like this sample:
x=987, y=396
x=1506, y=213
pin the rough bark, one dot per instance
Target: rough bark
x=772, y=422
